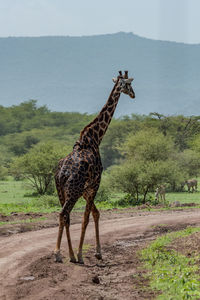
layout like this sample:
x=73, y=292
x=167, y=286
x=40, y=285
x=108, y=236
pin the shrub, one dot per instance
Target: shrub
x=127, y=200
x=149, y=162
x=102, y=194
x=48, y=201
x=3, y=173
x=38, y=166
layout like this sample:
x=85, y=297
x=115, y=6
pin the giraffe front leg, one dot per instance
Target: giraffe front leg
x=57, y=254
x=96, y=216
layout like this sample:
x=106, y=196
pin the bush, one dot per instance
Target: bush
x=38, y=166
x=149, y=162
x=127, y=200
x=48, y=201
x=102, y=194
x=3, y=173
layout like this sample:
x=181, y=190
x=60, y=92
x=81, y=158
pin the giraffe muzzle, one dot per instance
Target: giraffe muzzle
x=132, y=95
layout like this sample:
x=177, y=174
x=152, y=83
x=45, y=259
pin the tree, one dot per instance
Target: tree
x=189, y=160
x=20, y=143
x=148, y=163
x=3, y=172
x=38, y=166
x=115, y=136
x=195, y=144
x=138, y=177
x=148, y=144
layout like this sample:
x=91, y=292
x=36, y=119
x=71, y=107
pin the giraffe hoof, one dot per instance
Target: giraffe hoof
x=80, y=261
x=58, y=257
x=73, y=260
x=98, y=256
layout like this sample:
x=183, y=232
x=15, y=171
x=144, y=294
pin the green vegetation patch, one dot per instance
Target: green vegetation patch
x=173, y=274
x=26, y=206
x=16, y=196
x=184, y=197
x=23, y=221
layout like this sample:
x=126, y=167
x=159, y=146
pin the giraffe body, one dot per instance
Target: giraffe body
x=160, y=193
x=79, y=173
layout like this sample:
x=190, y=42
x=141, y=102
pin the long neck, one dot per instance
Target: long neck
x=97, y=128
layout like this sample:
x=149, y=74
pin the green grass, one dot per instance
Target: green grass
x=12, y=191
x=16, y=196
x=171, y=273
x=23, y=221
x=26, y=206
x=184, y=197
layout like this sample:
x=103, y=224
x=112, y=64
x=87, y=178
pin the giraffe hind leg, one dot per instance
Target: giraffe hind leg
x=96, y=216
x=89, y=197
x=65, y=215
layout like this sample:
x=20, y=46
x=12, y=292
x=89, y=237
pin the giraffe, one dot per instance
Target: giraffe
x=79, y=173
x=160, y=193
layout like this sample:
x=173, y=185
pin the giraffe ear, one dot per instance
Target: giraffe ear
x=114, y=80
x=129, y=80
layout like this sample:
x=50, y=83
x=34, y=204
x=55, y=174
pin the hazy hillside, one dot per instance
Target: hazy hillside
x=75, y=73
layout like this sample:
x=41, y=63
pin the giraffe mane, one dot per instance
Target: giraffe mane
x=94, y=121
x=87, y=126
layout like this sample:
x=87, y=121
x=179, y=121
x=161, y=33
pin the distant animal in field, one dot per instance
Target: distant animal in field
x=160, y=193
x=191, y=184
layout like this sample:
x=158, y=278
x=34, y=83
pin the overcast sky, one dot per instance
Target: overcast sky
x=172, y=20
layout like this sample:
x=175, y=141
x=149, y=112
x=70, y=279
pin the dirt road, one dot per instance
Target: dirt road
x=28, y=271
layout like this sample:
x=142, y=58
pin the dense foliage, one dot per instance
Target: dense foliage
x=150, y=160
x=38, y=166
x=139, y=152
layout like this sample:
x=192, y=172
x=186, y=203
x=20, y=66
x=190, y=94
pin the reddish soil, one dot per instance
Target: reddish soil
x=51, y=219
x=28, y=270
x=188, y=246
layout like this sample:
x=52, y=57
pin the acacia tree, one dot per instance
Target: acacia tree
x=149, y=161
x=38, y=166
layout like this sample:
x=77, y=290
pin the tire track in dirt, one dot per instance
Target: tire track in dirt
x=18, y=252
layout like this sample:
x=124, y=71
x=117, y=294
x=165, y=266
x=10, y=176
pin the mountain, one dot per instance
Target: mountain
x=75, y=73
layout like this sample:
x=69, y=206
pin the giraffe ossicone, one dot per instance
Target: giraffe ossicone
x=79, y=173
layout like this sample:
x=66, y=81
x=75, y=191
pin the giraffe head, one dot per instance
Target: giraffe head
x=124, y=83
